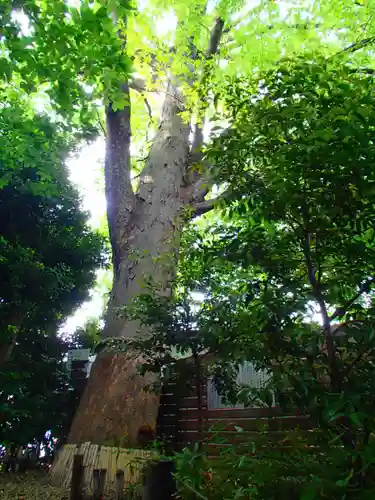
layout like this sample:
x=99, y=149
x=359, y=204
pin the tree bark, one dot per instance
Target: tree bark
x=147, y=246
x=114, y=404
x=7, y=345
x=145, y=230
x=6, y=349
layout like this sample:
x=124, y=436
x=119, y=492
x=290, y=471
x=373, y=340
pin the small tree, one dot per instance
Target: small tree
x=48, y=253
x=35, y=390
x=298, y=160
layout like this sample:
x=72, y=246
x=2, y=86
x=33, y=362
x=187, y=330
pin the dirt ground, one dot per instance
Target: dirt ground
x=29, y=486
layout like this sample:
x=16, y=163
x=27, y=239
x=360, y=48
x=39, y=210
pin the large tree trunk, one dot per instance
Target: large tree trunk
x=114, y=404
x=145, y=229
x=149, y=243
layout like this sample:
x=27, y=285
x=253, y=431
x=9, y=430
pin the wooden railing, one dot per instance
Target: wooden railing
x=183, y=422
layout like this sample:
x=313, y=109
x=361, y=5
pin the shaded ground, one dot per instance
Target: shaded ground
x=29, y=486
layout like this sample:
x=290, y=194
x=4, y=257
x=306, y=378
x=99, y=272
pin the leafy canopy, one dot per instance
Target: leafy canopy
x=72, y=56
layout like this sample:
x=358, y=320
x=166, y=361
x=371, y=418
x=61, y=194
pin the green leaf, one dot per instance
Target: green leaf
x=344, y=482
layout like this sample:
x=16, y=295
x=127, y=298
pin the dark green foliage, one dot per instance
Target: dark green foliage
x=299, y=161
x=48, y=259
x=35, y=389
x=48, y=253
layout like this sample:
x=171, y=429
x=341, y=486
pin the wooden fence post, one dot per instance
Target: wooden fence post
x=95, y=483
x=98, y=483
x=159, y=483
x=119, y=486
x=77, y=476
x=102, y=475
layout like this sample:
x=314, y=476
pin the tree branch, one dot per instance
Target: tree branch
x=316, y=290
x=118, y=188
x=117, y=166
x=313, y=282
x=138, y=84
x=356, y=46
x=364, y=288
x=213, y=46
x=206, y=205
x=215, y=37
x=149, y=111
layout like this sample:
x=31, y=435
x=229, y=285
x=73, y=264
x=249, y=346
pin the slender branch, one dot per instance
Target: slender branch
x=354, y=362
x=315, y=286
x=101, y=124
x=206, y=205
x=364, y=288
x=216, y=34
x=149, y=111
x=353, y=47
x=328, y=337
x=319, y=263
x=194, y=491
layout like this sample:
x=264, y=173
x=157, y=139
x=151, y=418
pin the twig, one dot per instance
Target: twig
x=193, y=490
x=353, y=47
x=149, y=110
x=353, y=363
x=101, y=124
x=340, y=311
x=206, y=205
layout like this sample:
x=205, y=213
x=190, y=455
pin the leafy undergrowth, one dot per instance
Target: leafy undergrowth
x=29, y=486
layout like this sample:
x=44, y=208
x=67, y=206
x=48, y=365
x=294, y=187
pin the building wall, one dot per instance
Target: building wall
x=248, y=375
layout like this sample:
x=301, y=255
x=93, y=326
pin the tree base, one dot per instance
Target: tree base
x=115, y=404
